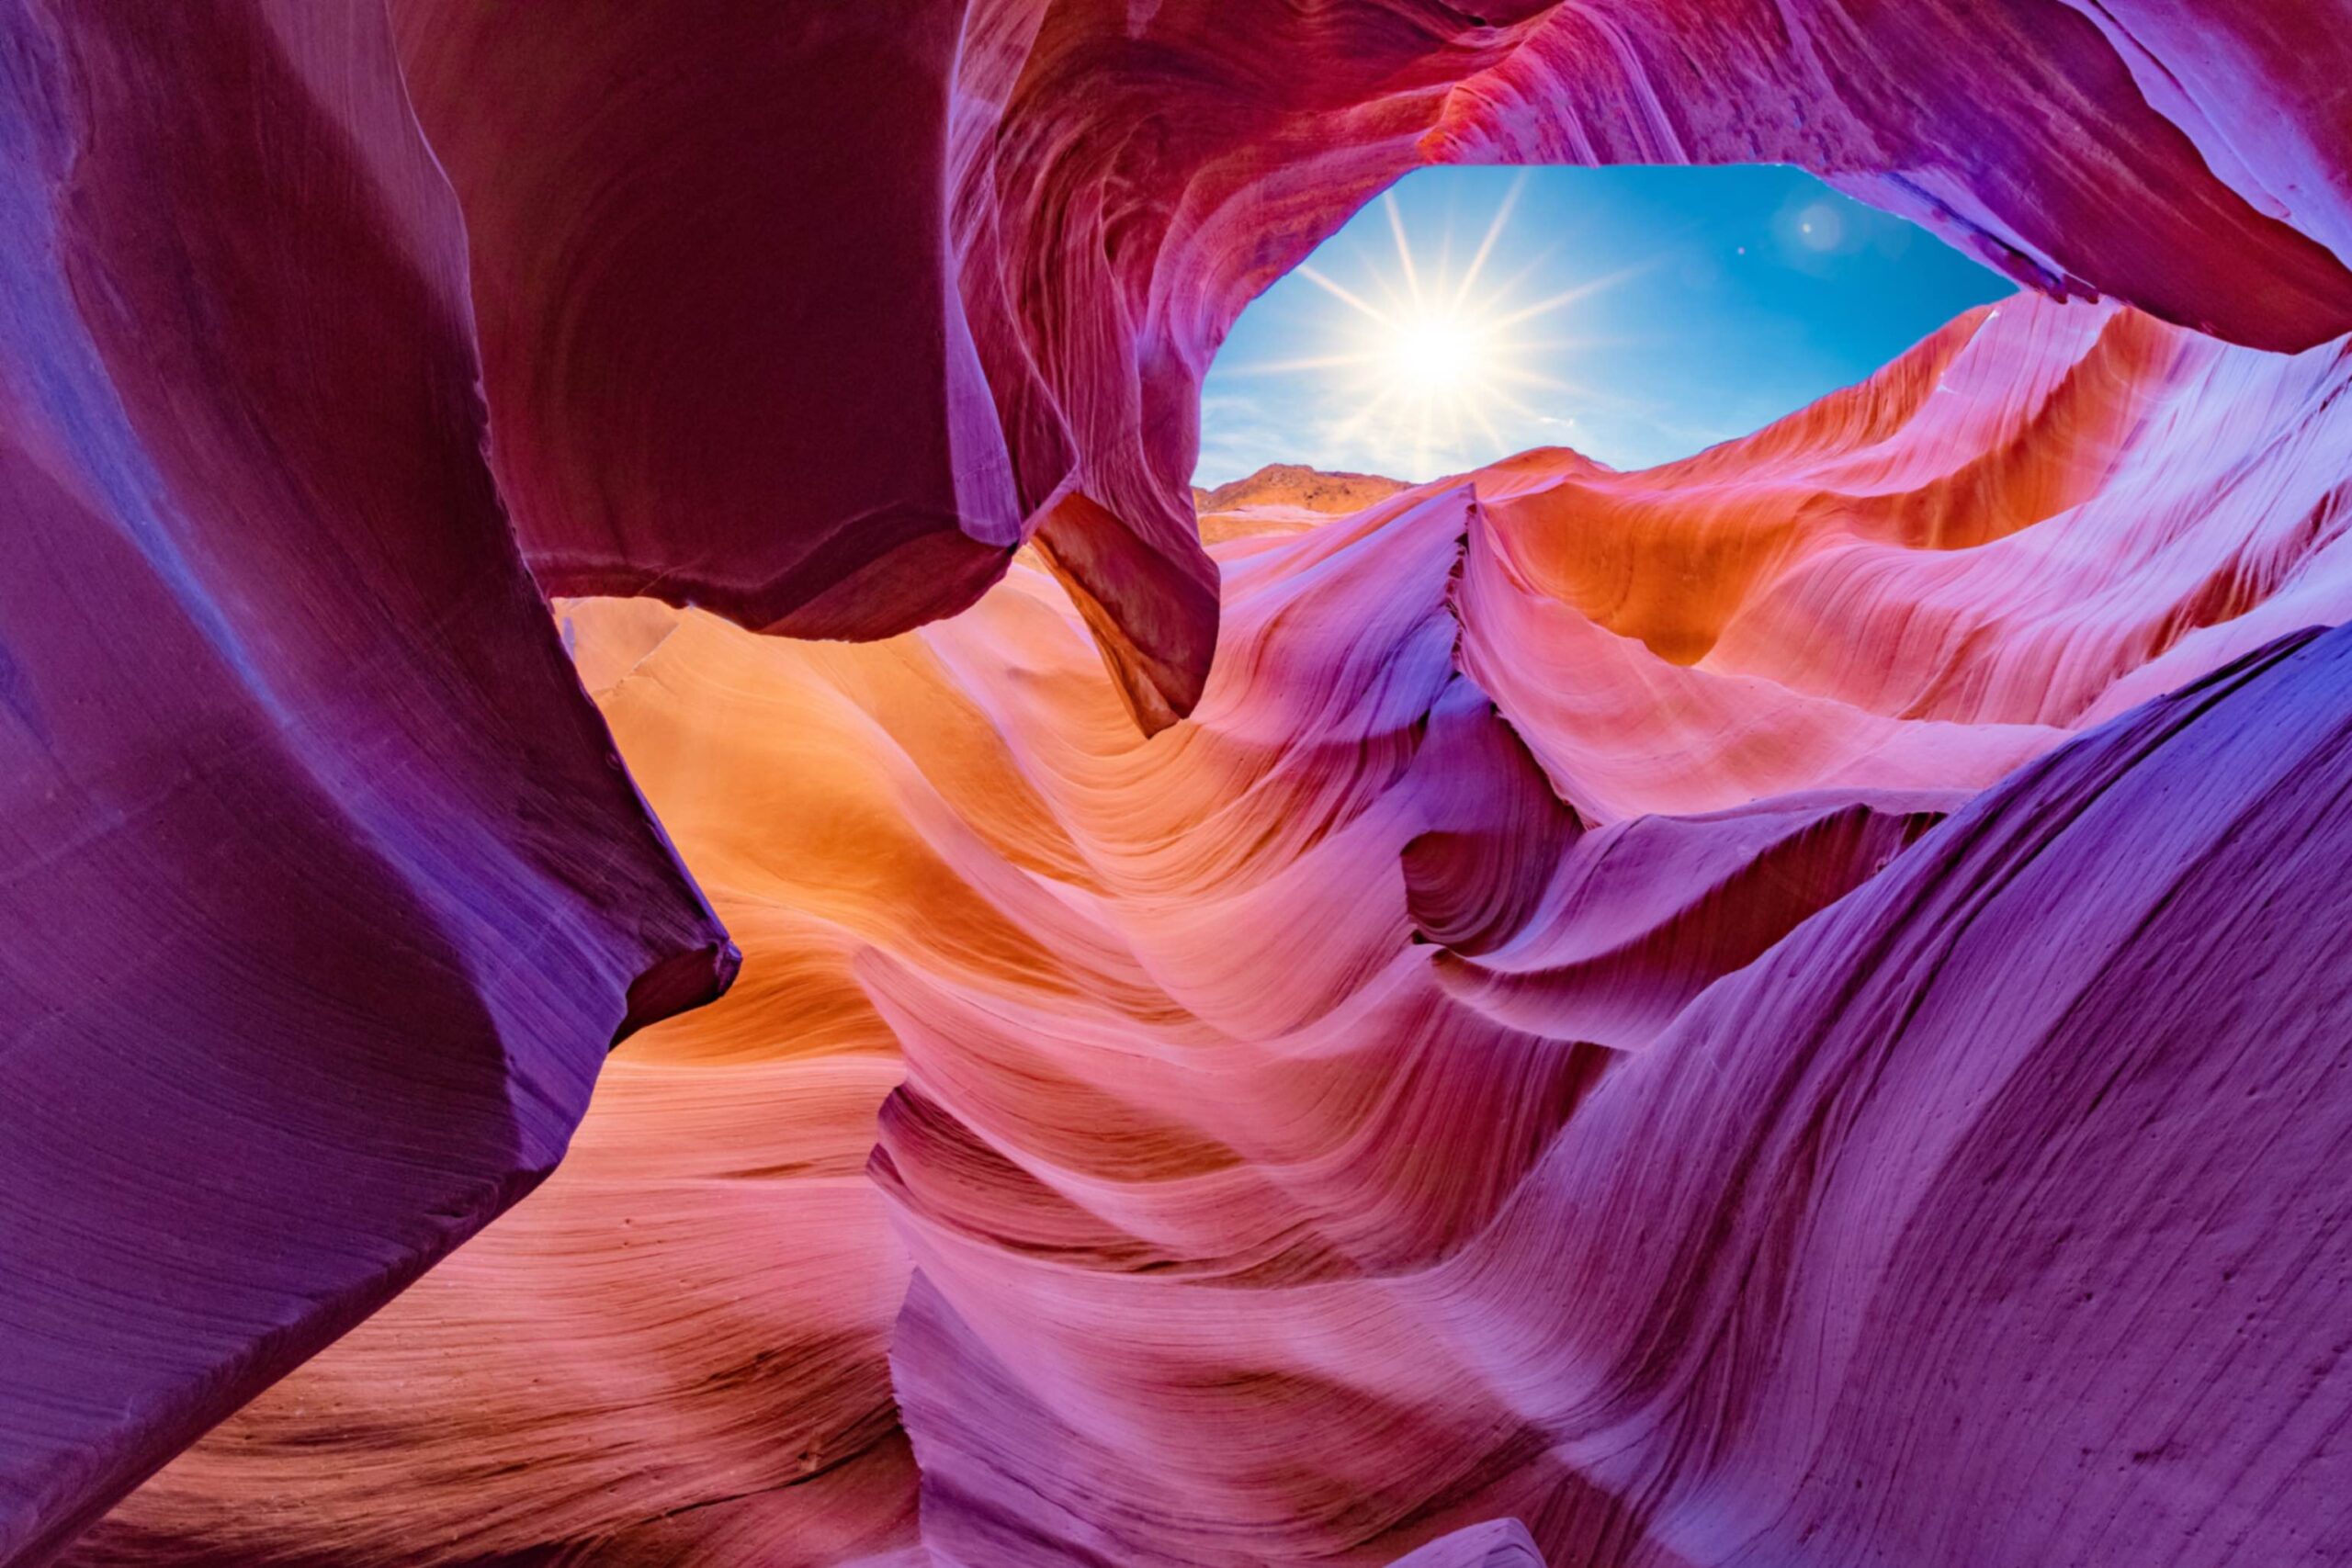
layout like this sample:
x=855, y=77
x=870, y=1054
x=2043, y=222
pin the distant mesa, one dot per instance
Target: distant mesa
x=1295, y=484
x=1285, y=498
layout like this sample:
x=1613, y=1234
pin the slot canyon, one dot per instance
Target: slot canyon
x=667, y=897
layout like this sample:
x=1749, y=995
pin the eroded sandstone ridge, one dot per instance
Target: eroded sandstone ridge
x=1781, y=1008
x=819, y=358
x=1311, y=1130
x=325, y=892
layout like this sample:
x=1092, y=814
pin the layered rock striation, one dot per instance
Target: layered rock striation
x=820, y=359
x=1664, y=1007
x=323, y=891
x=1529, y=1048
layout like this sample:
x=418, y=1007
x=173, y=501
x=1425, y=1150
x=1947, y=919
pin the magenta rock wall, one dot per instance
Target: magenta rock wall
x=325, y=891
x=818, y=359
x=1784, y=1008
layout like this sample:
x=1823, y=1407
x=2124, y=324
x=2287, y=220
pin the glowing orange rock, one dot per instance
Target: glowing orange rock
x=819, y=358
x=1236, y=1059
x=325, y=896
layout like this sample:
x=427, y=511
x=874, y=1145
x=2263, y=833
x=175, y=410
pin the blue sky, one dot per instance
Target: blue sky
x=1636, y=314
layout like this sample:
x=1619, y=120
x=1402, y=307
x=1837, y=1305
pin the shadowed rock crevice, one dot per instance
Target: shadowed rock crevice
x=1751, y=1169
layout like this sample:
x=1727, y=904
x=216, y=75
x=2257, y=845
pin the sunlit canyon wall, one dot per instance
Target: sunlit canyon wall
x=1786, y=1008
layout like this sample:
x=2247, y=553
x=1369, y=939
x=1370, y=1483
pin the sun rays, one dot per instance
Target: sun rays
x=1637, y=315
x=1428, y=359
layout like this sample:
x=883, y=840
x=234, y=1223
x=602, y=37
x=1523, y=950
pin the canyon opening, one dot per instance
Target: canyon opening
x=697, y=867
x=1636, y=314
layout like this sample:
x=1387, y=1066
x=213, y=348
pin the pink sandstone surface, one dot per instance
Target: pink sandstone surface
x=1218, y=1073
x=1784, y=1008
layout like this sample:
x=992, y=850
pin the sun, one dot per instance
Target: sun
x=1425, y=358
x=1435, y=353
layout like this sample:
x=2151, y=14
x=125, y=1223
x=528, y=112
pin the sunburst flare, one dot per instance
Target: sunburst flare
x=1429, y=358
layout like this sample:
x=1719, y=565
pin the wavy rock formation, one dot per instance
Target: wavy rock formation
x=1234, y=1059
x=1497, y=1544
x=2012, y=1171
x=1028, y=224
x=677, y=1350
x=722, y=343
x=323, y=893
x=1078, y=1392
x=1522, y=1051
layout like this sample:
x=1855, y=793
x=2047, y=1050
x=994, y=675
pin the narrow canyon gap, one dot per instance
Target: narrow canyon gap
x=1778, y=1006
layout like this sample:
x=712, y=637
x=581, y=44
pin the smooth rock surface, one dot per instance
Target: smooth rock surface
x=323, y=892
x=1446, y=1032
x=1250, y=1076
x=818, y=358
